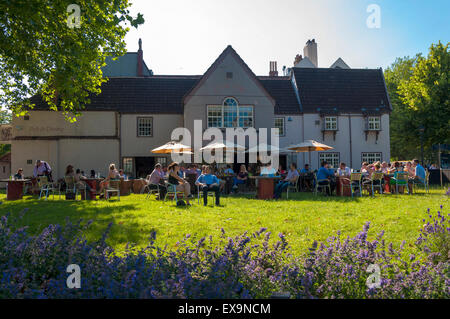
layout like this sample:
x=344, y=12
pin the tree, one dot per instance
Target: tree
x=5, y=117
x=41, y=53
x=419, y=92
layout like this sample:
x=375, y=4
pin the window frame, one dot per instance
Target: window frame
x=328, y=161
x=284, y=125
x=370, y=162
x=325, y=123
x=124, y=166
x=378, y=121
x=222, y=112
x=137, y=125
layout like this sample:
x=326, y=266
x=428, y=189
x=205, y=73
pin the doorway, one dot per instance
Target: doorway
x=144, y=166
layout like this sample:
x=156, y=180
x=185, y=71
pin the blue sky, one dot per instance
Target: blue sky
x=186, y=36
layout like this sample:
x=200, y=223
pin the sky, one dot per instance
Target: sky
x=186, y=36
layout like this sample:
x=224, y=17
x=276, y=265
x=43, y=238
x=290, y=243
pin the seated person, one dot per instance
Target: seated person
x=112, y=174
x=307, y=177
x=268, y=170
x=229, y=170
x=181, y=171
x=384, y=168
x=79, y=183
x=208, y=182
x=192, y=170
x=180, y=184
x=410, y=170
x=19, y=174
x=122, y=174
x=343, y=170
x=290, y=179
x=281, y=171
x=241, y=177
x=420, y=174
x=305, y=170
x=324, y=177
x=365, y=169
x=156, y=180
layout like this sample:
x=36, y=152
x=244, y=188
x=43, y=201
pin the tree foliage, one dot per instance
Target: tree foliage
x=39, y=52
x=419, y=93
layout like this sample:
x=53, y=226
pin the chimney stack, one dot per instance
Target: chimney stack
x=310, y=51
x=298, y=58
x=140, y=60
x=273, y=69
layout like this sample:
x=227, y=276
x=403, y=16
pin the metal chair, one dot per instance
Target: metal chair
x=425, y=183
x=322, y=187
x=45, y=187
x=151, y=191
x=293, y=187
x=401, y=178
x=172, y=191
x=71, y=186
x=372, y=182
x=200, y=194
x=353, y=182
x=114, y=188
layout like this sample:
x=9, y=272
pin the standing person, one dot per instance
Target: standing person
x=156, y=180
x=180, y=184
x=324, y=177
x=208, y=183
x=112, y=174
x=43, y=169
x=290, y=179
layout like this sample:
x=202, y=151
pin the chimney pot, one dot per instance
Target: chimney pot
x=140, y=59
x=273, y=68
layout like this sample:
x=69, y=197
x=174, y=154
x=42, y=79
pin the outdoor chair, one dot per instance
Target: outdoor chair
x=151, y=191
x=71, y=186
x=45, y=187
x=172, y=191
x=293, y=187
x=353, y=182
x=425, y=183
x=113, y=188
x=376, y=181
x=200, y=194
x=401, y=179
x=323, y=187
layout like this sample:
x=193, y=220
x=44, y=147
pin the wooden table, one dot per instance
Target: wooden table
x=138, y=185
x=15, y=188
x=125, y=186
x=266, y=186
x=93, y=184
x=343, y=186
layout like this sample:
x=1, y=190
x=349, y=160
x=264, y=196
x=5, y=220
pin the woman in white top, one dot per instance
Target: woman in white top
x=112, y=174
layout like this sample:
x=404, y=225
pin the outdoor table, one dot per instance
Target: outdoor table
x=266, y=186
x=125, y=186
x=138, y=185
x=93, y=184
x=341, y=190
x=15, y=188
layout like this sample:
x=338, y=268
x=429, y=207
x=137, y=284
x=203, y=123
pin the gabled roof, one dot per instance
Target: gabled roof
x=154, y=94
x=305, y=63
x=347, y=90
x=339, y=64
x=229, y=50
x=125, y=65
x=283, y=91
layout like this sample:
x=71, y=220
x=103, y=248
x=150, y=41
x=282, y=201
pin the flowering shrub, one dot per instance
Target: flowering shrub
x=35, y=267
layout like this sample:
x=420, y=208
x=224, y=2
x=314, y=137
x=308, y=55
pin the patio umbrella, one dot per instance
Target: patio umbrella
x=227, y=147
x=172, y=147
x=309, y=146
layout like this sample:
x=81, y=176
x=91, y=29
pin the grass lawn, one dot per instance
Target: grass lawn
x=303, y=218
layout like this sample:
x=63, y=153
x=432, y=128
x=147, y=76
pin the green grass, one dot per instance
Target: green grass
x=302, y=219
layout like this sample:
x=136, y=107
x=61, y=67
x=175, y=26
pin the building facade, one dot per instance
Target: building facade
x=137, y=111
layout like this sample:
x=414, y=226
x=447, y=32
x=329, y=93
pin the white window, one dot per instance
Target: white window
x=161, y=160
x=128, y=165
x=371, y=157
x=279, y=124
x=144, y=126
x=374, y=123
x=230, y=114
x=330, y=123
x=331, y=158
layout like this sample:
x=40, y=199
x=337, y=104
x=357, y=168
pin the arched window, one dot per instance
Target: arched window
x=230, y=114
